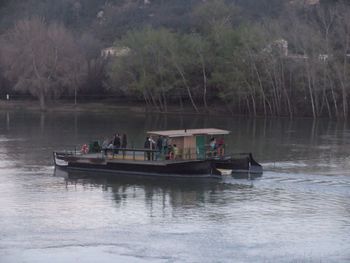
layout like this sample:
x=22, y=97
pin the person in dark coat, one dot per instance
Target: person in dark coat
x=147, y=146
x=124, y=144
x=116, y=143
x=221, y=146
x=124, y=141
x=152, y=146
x=159, y=145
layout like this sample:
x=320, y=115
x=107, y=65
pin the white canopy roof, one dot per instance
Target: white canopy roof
x=189, y=132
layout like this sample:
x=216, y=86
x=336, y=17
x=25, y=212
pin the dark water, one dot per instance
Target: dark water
x=298, y=211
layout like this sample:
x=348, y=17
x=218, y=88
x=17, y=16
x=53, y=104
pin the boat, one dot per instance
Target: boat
x=185, y=154
x=239, y=163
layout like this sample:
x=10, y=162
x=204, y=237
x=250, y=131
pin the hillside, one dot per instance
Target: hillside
x=254, y=57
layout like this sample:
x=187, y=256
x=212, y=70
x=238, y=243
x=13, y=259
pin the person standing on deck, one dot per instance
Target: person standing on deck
x=105, y=145
x=165, y=147
x=212, y=146
x=159, y=147
x=124, y=143
x=175, y=152
x=146, y=145
x=221, y=147
x=152, y=146
x=116, y=143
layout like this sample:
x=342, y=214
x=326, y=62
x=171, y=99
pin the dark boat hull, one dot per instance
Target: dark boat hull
x=239, y=164
x=187, y=169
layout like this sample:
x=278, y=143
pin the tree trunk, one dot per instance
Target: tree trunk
x=228, y=106
x=154, y=101
x=165, y=104
x=334, y=101
x=187, y=87
x=248, y=105
x=42, y=101
x=310, y=91
x=259, y=80
x=146, y=101
x=75, y=95
x=40, y=87
x=253, y=102
x=204, y=84
x=181, y=103
x=344, y=91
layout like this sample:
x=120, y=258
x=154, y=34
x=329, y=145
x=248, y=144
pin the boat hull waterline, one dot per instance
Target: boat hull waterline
x=209, y=168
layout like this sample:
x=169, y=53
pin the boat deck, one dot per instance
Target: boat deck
x=99, y=158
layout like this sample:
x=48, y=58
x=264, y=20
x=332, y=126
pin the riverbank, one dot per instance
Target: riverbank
x=68, y=106
x=101, y=106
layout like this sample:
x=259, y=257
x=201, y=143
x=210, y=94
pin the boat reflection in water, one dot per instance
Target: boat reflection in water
x=176, y=191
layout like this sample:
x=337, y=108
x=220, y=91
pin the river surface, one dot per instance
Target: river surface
x=298, y=211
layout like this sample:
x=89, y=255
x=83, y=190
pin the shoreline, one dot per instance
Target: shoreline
x=109, y=106
x=68, y=106
x=97, y=107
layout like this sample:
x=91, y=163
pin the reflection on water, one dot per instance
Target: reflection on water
x=298, y=211
x=269, y=139
x=178, y=191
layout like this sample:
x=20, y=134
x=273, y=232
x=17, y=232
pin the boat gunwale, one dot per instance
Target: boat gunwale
x=103, y=160
x=145, y=174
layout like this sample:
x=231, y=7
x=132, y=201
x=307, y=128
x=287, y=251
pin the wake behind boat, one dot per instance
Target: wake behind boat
x=193, y=153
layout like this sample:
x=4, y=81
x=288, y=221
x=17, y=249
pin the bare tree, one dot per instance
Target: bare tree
x=42, y=59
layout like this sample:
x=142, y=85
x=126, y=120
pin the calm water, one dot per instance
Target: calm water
x=298, y=211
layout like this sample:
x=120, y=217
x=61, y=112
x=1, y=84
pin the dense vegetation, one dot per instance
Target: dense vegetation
x=256, y=57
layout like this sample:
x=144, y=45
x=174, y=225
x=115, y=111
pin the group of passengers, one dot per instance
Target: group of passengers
x=115, y=144
x=155, y=149
x=216, y=147
x=161, y=148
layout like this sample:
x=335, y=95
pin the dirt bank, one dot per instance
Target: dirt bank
x=67, y=106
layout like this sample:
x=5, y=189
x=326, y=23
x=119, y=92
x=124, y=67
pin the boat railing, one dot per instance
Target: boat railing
x=138, y=154
x=142, y=154
x=112, y=153
x=151, y=154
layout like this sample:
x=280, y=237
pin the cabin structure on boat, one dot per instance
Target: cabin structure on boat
x=191, y=143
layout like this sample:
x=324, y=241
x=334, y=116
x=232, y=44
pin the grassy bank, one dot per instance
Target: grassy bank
x=100, y=106
x=68, y=106
x=110, y=106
